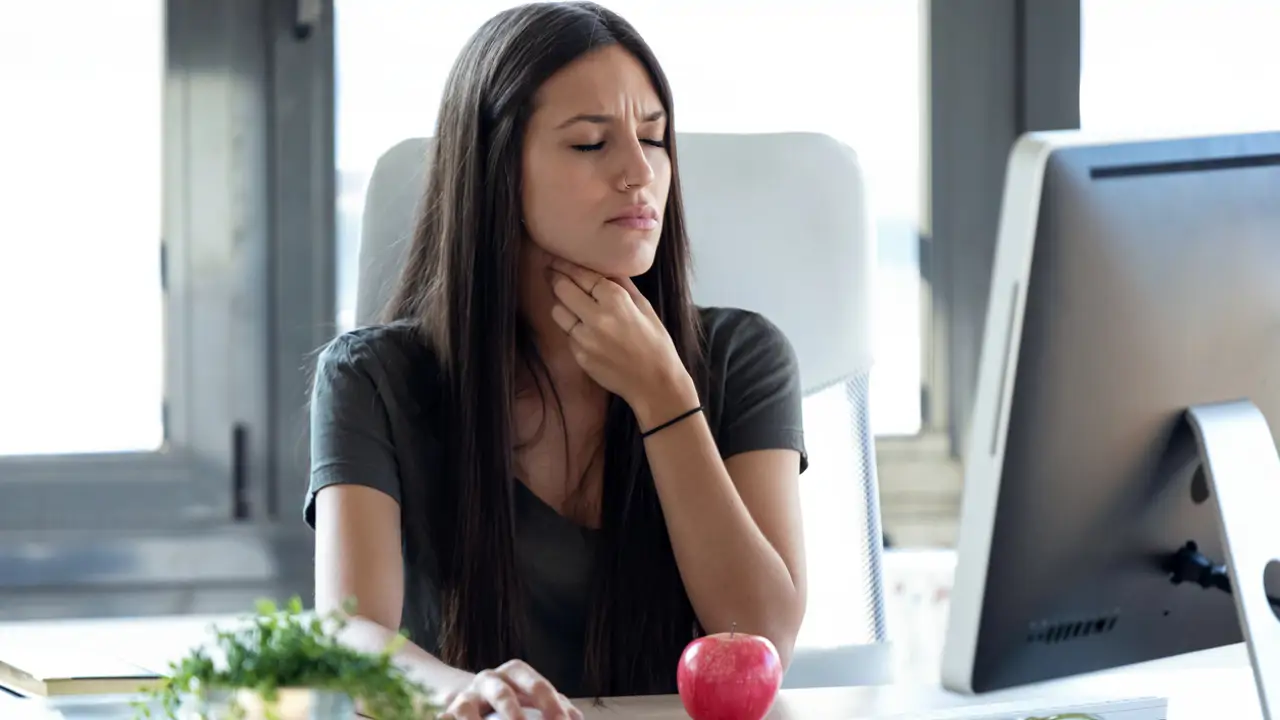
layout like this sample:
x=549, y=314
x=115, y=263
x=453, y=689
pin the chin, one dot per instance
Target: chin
x=631, y=266
x=632, y=259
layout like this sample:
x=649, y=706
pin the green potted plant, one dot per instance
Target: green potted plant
x=285, y=664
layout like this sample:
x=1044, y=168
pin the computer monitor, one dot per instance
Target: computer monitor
x=1133, y=281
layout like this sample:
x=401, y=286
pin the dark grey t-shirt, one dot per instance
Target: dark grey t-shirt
x=369, y=427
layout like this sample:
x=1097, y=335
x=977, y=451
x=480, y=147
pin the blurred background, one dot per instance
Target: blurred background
x=182, y=186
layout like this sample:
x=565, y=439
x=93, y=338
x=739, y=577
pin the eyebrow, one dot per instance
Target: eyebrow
x=603, y=119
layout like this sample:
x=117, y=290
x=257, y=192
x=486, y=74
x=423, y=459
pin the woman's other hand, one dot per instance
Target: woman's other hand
x=505, y=691
x=620, y=341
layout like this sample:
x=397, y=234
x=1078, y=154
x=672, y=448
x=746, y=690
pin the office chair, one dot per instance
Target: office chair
x=778, y=224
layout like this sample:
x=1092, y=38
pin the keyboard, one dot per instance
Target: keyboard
x=1130, y=709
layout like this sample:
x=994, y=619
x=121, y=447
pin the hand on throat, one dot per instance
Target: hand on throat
x=536, y=301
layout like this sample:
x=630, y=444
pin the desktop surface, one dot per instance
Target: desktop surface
x=1211, y=684
x=825, y=705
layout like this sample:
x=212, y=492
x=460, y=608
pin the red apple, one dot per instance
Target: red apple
x=729, y=676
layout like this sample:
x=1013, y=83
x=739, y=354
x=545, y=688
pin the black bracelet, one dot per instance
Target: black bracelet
x=672, y=421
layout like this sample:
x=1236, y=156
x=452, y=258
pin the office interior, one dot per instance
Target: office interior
x=185, y=184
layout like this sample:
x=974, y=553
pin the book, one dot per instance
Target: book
x=50, y=673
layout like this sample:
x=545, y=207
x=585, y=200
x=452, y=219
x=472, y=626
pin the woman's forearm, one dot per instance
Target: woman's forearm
x=733, y=575
x=421, y=666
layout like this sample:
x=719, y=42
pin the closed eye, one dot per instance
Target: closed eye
x=599, y=145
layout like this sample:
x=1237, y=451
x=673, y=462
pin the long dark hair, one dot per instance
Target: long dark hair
x=460, y=287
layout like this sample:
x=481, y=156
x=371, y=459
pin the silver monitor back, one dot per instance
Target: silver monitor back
x=1131, y=280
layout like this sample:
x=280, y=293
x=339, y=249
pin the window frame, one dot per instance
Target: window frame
x=201, y=282
x=997, y=69
x=213, y=519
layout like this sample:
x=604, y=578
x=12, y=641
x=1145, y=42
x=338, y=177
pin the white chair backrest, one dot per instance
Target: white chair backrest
x=779, y=224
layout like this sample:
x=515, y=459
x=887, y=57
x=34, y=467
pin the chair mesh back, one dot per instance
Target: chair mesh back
x=858, y=393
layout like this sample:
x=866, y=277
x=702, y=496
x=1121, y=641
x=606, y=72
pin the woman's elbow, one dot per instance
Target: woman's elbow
x=786, y=629
x=784, y=641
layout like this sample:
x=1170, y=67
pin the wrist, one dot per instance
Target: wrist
x=665, y=399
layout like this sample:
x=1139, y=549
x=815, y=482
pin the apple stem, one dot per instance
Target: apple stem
x=732, y=628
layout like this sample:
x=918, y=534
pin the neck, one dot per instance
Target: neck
x=536, y=301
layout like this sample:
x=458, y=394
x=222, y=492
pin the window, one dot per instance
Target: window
x=80, y=289
x=852, y=70
x=132, y=375
x=1179, y=65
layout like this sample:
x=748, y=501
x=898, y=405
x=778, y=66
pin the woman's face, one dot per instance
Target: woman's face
x=596, y=173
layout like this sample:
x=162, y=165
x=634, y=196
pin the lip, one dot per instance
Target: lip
x=636, y=217
x=635, y=223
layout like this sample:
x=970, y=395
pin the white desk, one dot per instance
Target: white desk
x=1206, y=686
x=1216, y=685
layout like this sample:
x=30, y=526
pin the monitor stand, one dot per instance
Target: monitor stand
x=1242, y=468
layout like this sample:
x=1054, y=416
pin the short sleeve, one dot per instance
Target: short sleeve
x=763, y=405
x=350, y=427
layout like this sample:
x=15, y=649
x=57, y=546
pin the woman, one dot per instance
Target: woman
x=548, y=465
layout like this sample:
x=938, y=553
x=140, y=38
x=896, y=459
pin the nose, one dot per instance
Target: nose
x=636, y=170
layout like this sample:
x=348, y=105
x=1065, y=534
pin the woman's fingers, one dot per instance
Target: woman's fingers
x=504, y=691
x=540, y=693
x=563, y=317
x=466, y=706
x=637, y=297
x=573, y=297
x=496, y=688
x=582, y=277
